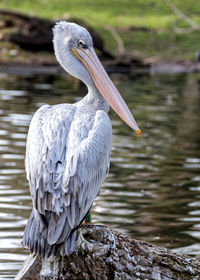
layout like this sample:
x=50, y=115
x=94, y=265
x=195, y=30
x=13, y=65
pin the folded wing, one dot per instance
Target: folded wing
x=67, y=160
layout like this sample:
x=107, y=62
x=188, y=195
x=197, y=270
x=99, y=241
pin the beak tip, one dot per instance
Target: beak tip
x=139, y=132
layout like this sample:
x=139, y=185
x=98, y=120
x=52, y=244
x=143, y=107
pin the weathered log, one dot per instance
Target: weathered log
x=105, y=254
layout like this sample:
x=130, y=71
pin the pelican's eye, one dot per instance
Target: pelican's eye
x=82, y=44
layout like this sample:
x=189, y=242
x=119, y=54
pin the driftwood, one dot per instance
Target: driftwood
x=193, y=26
x=105, y=254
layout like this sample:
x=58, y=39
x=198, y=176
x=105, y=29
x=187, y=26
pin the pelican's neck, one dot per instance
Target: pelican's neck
x=94, y=99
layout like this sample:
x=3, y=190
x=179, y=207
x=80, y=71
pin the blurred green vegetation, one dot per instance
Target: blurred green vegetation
x=159, y=38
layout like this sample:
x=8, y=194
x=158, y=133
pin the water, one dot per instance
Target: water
x=153, y=189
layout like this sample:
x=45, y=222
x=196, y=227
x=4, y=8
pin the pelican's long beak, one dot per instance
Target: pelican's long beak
x=104, y=84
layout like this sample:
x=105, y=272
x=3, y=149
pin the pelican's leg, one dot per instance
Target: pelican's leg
x=88, y=218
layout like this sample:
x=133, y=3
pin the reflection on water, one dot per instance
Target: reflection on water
x=153, y=189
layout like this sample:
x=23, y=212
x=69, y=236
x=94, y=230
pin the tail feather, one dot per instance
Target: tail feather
x=32, y=233
x=70, y=244
x=36, y=238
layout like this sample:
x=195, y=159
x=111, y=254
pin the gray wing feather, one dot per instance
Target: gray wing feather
x=67, y=159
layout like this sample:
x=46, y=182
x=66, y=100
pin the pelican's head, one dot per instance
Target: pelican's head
x=69, y=36
x=74, y=51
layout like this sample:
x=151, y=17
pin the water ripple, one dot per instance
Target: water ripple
x=152, y=191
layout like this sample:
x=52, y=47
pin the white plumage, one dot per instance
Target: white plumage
x=68, y=148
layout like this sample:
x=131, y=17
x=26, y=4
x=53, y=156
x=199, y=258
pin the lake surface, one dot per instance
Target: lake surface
x=153, y=188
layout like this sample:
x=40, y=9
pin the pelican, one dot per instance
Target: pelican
x=68, y=147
